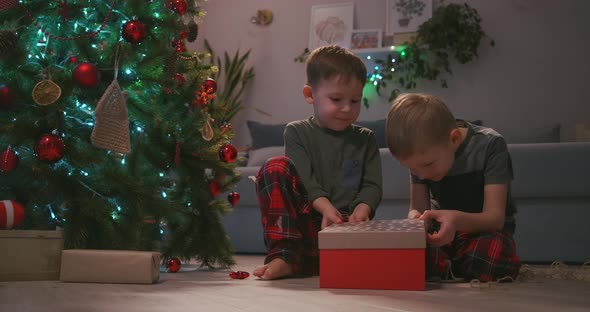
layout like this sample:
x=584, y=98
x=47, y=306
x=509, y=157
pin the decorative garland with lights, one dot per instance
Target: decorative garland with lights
x=453, y=31
x=64, y=6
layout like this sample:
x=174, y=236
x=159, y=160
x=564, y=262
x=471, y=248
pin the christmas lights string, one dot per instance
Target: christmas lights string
x=90, y=35
x=93, y=34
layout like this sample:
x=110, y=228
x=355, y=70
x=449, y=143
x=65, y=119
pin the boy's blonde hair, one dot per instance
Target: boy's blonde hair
x=333, y=61
x=417, y=121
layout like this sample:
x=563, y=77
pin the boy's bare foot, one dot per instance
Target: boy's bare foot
x=276, y=268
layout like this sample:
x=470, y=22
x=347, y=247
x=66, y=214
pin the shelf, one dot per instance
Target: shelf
x=363, y=52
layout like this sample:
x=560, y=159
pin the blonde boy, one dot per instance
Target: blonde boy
x=460, y=182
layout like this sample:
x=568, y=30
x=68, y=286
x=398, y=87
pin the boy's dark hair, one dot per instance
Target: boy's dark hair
x=333, y=61
x=416, y=122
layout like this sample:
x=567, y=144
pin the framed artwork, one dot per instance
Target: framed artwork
x=404, y=16
x=365, y=38
x=331, y=24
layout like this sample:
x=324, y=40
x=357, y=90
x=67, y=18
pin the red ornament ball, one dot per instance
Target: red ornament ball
x=12, y=214
x=73, y=59
x=214, y=188
x=5, y=97
x=239, y=274
x=173, y=265
x=178, y=6
x=134, y=31
x=228, y=153
x=86, y=75
x=209, y=86
x=180, y=78
x=8, y=160
x=233, y=198
x=50, y=148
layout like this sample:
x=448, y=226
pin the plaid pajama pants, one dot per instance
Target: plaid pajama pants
x=483, y=256
x=289, y=222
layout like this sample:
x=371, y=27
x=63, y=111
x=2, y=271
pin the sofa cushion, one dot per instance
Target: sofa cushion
x=265, y=135
x=257, y=157
x=378, y=127
x=396, y=178
x=549, y=133
x=550, y=170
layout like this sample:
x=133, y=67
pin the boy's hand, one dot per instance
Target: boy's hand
x=447, y=220
x=414, y=214
x=360, y=213
x=331, y=216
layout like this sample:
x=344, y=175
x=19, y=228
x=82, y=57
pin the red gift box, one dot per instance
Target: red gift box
x=378, y=254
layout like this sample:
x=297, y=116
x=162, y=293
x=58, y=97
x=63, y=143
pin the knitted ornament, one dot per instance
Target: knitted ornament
x=7, y=4
x=111, y=128
x=170, y=65
x=8, y=41
x=193, y=31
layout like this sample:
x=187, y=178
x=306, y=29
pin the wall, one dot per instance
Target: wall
x=536, y=75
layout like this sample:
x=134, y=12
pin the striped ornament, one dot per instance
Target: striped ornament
x=11, y=214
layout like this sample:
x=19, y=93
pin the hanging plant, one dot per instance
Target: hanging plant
x=454, y=31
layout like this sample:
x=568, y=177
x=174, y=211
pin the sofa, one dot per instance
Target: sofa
x=550, y=189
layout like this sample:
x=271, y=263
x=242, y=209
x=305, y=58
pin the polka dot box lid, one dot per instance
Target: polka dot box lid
x=375, y=234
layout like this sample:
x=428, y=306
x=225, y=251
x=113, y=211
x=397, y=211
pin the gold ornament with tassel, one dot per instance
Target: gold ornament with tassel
x=207, y=130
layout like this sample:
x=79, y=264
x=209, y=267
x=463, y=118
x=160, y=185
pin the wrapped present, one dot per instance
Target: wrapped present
x=30, y=255
x=110, y=266
x=378, y=254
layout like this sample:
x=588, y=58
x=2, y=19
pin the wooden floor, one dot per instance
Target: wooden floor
x=203, y=290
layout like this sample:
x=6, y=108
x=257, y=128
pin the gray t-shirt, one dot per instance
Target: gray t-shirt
x=482, y=158
x=343, y=166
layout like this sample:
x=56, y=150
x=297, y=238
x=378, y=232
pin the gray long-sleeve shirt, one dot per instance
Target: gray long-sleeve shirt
x=343, y=166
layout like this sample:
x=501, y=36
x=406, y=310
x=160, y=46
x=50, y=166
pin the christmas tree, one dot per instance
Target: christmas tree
x=109, y=127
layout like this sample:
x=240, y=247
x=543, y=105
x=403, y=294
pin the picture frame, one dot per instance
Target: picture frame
x=365, y=39
x=331, y=24
x=405, y=16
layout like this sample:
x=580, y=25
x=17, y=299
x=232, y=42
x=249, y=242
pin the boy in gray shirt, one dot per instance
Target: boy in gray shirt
x=460, y=180
x=331, y=172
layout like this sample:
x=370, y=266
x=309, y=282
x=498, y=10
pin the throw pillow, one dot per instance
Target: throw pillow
x=378, y=127
x=265, y=135
x=257, y=157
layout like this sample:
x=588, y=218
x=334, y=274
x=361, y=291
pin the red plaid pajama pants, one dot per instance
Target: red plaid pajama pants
x=289, y=222
x=483, y=256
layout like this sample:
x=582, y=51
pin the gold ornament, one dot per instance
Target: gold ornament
x=207, y=131
x=262, y=18
x=46, y=92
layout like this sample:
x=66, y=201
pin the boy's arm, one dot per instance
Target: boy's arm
x=371, y=188
x=492, y=216
x=497, y=176
x=419, y=200
x=490, y=219
x=296, y=150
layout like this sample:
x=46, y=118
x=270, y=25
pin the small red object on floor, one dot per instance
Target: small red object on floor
x=173, y=265
x=239, y=274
